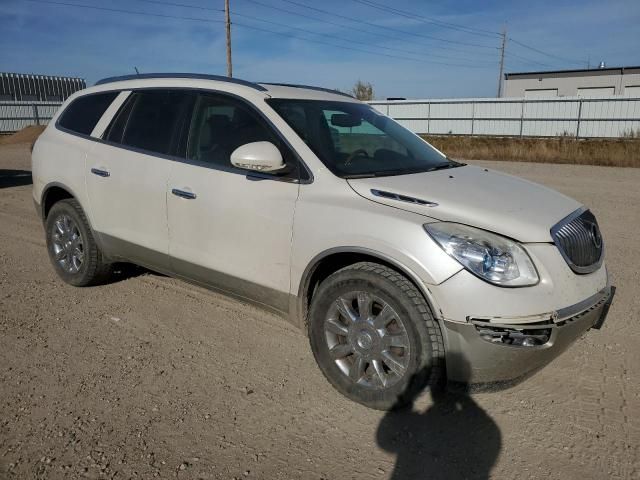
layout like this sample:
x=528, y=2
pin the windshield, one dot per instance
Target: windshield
x=353, y=140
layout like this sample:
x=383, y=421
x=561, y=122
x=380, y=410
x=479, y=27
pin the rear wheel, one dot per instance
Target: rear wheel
x=374, y=337
x=72, y=248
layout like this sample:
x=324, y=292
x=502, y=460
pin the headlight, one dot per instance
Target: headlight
x=491, y=257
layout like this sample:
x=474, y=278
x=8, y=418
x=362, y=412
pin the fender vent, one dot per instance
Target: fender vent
x=402, y=198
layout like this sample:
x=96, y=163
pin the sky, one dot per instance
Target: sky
x=404, y=48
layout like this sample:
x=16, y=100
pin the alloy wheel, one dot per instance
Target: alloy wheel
x=67, y=244
x=367, y=340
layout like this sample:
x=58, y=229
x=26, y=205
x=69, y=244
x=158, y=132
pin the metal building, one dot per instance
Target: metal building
x=20, y=87
x=587, y=83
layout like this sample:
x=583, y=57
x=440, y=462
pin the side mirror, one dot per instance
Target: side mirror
x=258, y=156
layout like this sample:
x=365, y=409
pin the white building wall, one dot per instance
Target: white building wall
x=586, y=83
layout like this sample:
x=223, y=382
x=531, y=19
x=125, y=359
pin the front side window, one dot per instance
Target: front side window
x=83, y=114
x=219, y=125
x=354, y=140
x=151, y=120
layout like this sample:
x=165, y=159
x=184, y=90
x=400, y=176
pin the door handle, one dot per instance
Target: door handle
x=183, y=194
x=100, y=172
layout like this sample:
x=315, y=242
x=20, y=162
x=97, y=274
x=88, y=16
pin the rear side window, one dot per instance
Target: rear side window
x=84, y=113
x=152, y=120
x=119, y=122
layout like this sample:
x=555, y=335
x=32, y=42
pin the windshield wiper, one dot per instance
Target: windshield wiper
x=444, y=166
x=404, y=171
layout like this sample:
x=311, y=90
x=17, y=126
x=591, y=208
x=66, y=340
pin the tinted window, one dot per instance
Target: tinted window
x=83, y=113
x=116, y=129
x=155, y=120
x=220, y=125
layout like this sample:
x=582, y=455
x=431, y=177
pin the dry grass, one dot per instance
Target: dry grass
x=624, y=152
x=26, y=135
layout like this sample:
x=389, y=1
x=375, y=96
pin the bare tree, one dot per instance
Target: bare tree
x=362, y=90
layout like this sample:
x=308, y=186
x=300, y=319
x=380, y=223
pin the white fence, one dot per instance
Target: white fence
x=15, y=116
x=523, y=117
x=575, y=117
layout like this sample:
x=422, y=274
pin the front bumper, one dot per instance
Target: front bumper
x=474, y=361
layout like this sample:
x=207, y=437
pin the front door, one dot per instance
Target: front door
x=227, y=228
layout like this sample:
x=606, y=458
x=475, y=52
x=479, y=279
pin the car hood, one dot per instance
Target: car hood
x=475, y=196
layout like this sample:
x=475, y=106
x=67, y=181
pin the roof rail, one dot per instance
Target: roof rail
x=309, y=87
x=198, y=76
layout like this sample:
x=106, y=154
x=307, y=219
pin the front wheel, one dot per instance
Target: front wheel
x=373, y=336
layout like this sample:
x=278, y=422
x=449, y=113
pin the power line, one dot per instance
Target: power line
x=185, y=5
x=235, y=13
x=413, y=15
x=533, y=49
x=351, y=19
x=302, y=15
x=404, y=51
x=252, y=27
x=356, y=49
x=119, y=10
x=527, y=60
x=355, y=29
x=422, y=18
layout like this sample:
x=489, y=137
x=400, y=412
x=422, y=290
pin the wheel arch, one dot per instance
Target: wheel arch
x=54, y=192
x=332, y=260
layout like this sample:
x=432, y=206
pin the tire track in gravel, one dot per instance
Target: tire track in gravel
x=153, y=376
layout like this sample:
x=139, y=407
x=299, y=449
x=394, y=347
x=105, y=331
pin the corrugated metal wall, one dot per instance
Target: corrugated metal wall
x=15, y=116
x=575, y=117
x=21, y=87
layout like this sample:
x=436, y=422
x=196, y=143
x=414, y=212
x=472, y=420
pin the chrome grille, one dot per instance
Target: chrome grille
x=579, y=240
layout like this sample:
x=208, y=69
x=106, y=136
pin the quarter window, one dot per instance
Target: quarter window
x=84, y=113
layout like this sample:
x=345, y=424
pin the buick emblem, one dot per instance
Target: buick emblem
x=595, y=235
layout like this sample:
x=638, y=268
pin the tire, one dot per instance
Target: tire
x=73, y=251
x=358, y=357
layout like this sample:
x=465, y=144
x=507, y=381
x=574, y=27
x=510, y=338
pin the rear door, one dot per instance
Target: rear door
x=229, y=228
x=128, y=172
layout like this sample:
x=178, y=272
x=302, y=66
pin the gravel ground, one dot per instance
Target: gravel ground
x=152, y=377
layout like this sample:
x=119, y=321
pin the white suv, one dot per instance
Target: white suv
x=397, y=261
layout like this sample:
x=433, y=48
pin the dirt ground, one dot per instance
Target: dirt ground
x=152, y=377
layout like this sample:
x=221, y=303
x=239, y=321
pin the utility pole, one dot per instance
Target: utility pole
x=504, y=44
x=228, y=22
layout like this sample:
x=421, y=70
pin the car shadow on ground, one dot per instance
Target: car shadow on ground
x=14, y=178
x=454, y=438
x=124, y=271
